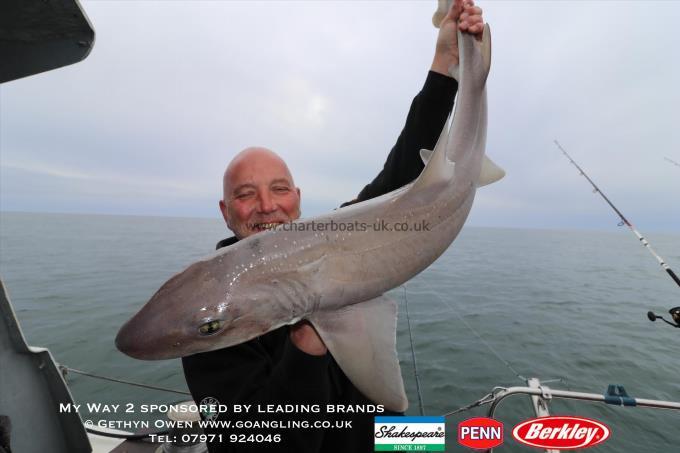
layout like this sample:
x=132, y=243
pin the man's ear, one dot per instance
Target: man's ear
x=223, y=210
x=299, y=214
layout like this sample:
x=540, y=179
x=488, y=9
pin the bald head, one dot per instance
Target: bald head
x=258, y=192
x=253, y=158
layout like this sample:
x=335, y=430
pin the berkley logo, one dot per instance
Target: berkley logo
x=480, y=433
x=561, y=432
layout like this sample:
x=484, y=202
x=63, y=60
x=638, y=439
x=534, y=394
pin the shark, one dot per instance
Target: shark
x=333, y=270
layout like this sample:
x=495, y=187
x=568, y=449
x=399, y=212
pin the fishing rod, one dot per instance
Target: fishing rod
x=674, y=312
x=672, y=161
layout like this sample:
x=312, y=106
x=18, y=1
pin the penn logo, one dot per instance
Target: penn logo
x=480, y=433
x=561, y=432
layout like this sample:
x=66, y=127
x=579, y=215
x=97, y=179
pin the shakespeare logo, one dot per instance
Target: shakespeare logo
x=409, y=434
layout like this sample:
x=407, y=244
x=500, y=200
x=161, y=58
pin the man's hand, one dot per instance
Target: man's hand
x=304, y=337
x=465, y=15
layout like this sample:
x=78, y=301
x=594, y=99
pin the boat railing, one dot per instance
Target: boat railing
x=541, y=395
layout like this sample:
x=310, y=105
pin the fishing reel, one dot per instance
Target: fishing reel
x=675, y=314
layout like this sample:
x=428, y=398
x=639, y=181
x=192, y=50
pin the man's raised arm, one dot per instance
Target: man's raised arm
x=429, y=108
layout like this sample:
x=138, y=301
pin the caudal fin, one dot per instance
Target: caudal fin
x=486, y=49
x=442, y=9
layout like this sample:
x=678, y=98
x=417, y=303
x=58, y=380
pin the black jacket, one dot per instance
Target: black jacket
x=271, y=370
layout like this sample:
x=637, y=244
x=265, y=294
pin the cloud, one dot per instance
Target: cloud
x=171, y=91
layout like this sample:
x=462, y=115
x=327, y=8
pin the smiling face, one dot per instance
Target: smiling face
x=259, y=193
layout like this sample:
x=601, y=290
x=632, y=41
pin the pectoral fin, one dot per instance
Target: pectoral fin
x=362, y=339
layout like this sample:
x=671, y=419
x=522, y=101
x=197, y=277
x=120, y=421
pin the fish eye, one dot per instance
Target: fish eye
x=211, y=327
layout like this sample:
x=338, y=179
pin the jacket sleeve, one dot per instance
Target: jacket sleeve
x=249, y=374
x=424, y=123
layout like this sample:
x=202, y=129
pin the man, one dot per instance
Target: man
x=291, y=365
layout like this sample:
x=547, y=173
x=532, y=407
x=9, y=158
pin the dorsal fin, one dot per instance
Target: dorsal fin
x=437, y=166
x=490, y=173
x=426, y=154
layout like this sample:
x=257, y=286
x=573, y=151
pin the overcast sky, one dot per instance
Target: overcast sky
x=172, y=89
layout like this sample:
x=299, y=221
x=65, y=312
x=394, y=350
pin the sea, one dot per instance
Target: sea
x=501, y=305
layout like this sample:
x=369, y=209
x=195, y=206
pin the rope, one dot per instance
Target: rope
x=486, y=399
x=413, y=355
x=65, y=370
x=482, y=340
